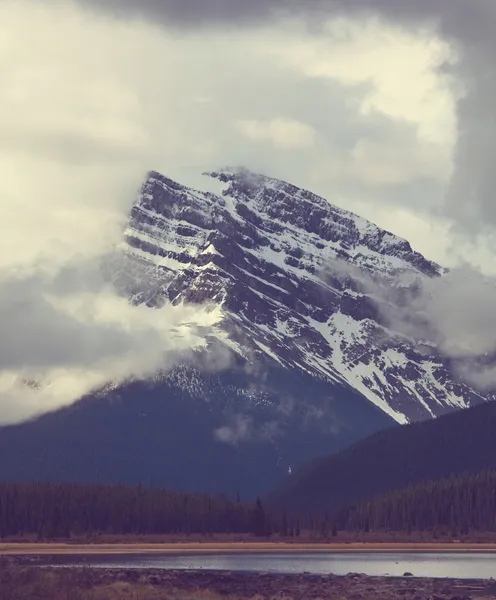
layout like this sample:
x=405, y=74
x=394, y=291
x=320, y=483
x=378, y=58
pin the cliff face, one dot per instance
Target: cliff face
x=302, y=282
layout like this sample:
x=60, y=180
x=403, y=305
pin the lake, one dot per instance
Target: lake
x=459, y=565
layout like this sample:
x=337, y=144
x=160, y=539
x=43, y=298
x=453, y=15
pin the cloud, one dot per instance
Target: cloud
x=284, y=134
x=190, y=12
x=47, y=326
x=372, y=163
x=91, y=102
x=239, y=429
x=467, y=27
x=196, y=12
x=453, y=313
x=76, y=140
x=126, y=96
x=63, y=339
x=457, y=314
x=460, y=306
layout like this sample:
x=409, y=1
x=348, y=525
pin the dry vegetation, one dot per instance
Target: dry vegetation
x=343, y=540
x=146, y=546
x=30, y=583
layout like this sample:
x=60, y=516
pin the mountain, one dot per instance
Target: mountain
x=454, y=444
x=191, y=431
x=309, y=354
x=300, y=281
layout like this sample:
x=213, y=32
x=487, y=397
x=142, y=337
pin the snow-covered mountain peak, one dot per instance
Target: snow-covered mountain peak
x=301, y=282
x=276, y=207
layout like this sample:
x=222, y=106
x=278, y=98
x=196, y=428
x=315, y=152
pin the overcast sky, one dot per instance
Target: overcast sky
x=383, y=106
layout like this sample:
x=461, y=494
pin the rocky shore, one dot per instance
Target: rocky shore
x=307, y=586
x=19, y=580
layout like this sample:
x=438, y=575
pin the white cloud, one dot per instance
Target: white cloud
x=284, y=134
x=240, y=429
x=373, y=163
x=103, y=340
x=73, y=139
x=76, y=139
x=89, y=104
x=402, y=68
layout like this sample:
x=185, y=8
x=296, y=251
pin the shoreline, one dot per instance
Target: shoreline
x=185, y=548
x=51, y=583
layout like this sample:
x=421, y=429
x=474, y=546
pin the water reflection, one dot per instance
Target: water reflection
x=464, y=565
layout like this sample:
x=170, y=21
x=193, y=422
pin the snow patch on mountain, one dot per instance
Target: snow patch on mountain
x=298, y=281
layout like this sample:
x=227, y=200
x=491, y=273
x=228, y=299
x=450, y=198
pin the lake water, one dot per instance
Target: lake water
x=460, y=565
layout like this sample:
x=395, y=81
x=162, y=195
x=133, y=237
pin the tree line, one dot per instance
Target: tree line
x=52, y=511
x=455, y=505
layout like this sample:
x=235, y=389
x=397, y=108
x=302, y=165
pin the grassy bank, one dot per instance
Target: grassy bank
x=31, y=583
x=12, y=549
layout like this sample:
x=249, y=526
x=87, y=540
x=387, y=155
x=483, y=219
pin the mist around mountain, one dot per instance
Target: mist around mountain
x=320, y=334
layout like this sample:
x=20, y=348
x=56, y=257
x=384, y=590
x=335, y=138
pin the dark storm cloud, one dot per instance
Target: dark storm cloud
x=41, y=335
x=469, y=25
x=466, y=17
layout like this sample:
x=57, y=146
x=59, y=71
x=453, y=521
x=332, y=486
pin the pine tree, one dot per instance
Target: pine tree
x=259, y=519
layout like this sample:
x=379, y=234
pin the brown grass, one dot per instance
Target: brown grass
x=235, y=547
x=30, y=583
x=306, y=539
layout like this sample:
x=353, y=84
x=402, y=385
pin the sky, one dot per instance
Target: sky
x=385, y=107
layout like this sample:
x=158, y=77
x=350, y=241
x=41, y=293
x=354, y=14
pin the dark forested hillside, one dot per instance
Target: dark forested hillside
x=165, y=432
x=454, y=505
x=62, y=510
x=394, y=458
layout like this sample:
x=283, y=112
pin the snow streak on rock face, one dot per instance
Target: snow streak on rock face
x=299, y=281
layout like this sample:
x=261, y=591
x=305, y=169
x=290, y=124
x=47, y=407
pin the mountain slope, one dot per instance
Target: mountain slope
x=461, y=442
x=461, y=503
x=233, y=431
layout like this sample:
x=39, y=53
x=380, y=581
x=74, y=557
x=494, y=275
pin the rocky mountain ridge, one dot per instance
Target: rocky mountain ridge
x=301, y=282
